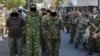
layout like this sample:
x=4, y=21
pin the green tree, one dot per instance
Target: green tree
x=12, y=3
x=1, y=1
x=59, y=2
x=28, y=2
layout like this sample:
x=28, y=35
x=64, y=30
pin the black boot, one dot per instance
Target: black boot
x=76, y=45
x=71, y=41
x=84, y=45
x=90, y=53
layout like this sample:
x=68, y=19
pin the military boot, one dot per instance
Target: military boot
x=76, y=45
x=71, y=41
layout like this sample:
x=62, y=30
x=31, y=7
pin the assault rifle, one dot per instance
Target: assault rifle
x=95, y=27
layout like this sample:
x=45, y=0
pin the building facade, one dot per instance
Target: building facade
x=81, y=2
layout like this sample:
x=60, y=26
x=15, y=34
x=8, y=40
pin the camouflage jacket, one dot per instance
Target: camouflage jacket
x=82, y=24
x=53, y=27
x=73, y=20
x=32, y=26
x=95, y=21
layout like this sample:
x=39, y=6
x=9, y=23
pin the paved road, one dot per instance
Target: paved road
x=66, y=49
x=4, y=47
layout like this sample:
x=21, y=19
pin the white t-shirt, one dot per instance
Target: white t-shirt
x=94, y=16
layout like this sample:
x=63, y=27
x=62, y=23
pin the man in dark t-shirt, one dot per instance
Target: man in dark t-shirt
x=15, y=28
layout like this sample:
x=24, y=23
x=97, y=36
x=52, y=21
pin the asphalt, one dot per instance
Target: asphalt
x=66, y=49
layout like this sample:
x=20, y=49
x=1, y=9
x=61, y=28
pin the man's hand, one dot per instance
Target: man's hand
x=95, y=35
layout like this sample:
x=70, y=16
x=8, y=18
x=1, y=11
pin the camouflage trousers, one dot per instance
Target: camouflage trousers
x=94, y=44
x=43, y=47
x=33, y=46
x=1, y=31
x=73, y=33
x=52, y=47
x=79, y=37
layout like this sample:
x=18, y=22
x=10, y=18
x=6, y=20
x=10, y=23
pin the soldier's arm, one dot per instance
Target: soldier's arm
x=98, y=27
x=26, y=21
x=99, y=23
x=60, y=24
x=70, y=19
x=43, y=21
x=44, y=25
x=86, y=22
x=7, y=23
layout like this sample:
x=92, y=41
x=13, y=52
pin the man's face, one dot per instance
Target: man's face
x=74, y=13
x=14, y=17
x=79, y=13
x=53, y=14
x=33, y=9
x=94, y=11
x=14, y=14
x=42, y=11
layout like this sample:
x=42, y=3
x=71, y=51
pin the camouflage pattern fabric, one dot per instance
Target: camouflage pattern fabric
x=33, y=34
x=80, y=29
x=52, y=36
x=96, y=22
x=73, y=24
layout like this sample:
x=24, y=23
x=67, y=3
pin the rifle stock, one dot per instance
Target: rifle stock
x=93, y=26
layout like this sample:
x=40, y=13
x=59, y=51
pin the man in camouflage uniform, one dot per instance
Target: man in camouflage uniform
x=44, y=19
x=43, y=15
x=52, y=34
x=2, y=24
x=33, y=32
x=66, y=22
x=81, y=27
x=73, y=24
x=48, y=14
x=93, y=41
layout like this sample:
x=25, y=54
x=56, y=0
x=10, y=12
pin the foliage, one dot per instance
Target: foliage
x=13, y=3
x=56, y=3
x=59, y=2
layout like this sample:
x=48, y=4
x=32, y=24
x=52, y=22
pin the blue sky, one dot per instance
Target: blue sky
x=49, y=1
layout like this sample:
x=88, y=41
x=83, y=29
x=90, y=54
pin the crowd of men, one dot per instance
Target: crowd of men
x=33, y=31
x=84, y=29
